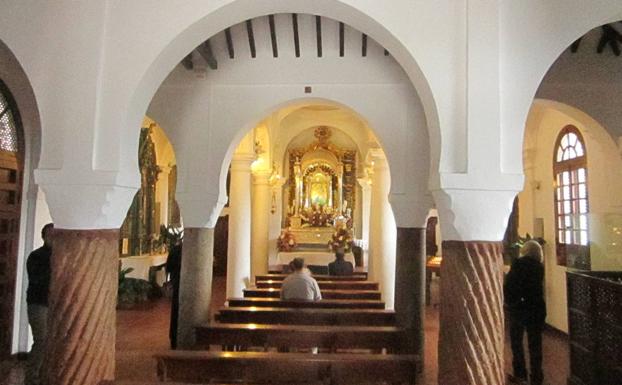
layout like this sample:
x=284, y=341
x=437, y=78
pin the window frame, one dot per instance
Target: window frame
x=572, y=247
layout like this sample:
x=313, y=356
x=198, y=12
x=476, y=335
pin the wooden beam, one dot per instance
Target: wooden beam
x=318, y=32
x=251, y=38
x=386, y=52
x=229, y=43
x=574, y=47
x=610, y=36
x=187, y=62
x=341, y=39
x=296, y=37
x=364, y=45
x=275, y=49
x=205, y=50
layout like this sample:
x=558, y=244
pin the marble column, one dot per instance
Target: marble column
x=195, y=290
x=260, y=223
x=471, y=339
x=382, y=234
x=239, y=246
x=82, y=302
x=410, y=286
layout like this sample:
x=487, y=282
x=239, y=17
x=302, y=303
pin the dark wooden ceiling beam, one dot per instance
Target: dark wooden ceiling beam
x=341, y=39
x=275, y=48
x=205, y=50
x=574, y=47
x=229, y=40
x=318, y=33
x=187, y=62
x=364, y=45
x=610, y=36
x=251, y=38
x=296, y=36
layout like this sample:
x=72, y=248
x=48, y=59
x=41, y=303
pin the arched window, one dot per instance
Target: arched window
x=571, y=198
x=8, y=130
x=10, y=202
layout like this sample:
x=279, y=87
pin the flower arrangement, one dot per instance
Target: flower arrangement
x=286, y=241
x=341, y=239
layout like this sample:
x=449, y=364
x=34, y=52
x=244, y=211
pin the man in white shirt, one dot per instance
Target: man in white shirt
x=300, y=285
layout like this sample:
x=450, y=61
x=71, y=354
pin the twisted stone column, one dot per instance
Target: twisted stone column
x=471, y=320
x=410, y=287
x=81, y=315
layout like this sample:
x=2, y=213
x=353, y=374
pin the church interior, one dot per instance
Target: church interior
x=428, y=143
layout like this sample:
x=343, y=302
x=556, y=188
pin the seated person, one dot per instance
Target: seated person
x=300, y=285
x=340, y=266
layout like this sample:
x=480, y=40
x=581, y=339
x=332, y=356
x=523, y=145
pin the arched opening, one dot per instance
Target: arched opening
x=571, y=197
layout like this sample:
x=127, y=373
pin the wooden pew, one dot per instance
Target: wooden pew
x=328, y=294
x=326, y=285
x=280, y=277
x=290, y=316
x=323, y=304
x=279, y=269
x=285, y=368
x=300, y=336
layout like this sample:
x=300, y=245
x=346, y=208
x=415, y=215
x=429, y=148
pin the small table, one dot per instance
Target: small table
x=432, y=266
x=142, y=264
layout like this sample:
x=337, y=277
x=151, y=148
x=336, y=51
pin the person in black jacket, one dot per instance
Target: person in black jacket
x=173, y=267
x=524, y=297
x=340, y=266
x=39, y=276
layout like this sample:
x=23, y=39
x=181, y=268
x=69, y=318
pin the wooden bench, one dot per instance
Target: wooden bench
x=300, y=336
x=322, y=304
x=279, y=269
x=285, y=368
x=280, y=277
x=292, y=316
x=328, y=294
x=326, y=285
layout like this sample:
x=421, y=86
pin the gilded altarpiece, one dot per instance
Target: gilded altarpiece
x=140, y=229
x=321, y=189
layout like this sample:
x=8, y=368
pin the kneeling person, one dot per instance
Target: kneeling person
x=300, y=285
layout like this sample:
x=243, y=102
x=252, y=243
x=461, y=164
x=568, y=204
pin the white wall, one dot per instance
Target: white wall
x=206, y=116
x=545, y=121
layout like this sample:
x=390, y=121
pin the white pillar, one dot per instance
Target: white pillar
x=239, y=246
x=162, y=193
x=260, y=222
x=383, y=232
x=365, y=184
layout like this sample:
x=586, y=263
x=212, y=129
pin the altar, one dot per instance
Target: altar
x=142, y=265
x=321, y=258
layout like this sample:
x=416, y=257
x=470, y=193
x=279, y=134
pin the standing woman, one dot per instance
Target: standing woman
x=524, y=297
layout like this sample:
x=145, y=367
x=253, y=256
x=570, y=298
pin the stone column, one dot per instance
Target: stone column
x=260, y=223
x=82, y=302
x=471, y=339
x=382, y=235
x=195, y=289
x=410, y=286
x=365, y=184
x=239, y=246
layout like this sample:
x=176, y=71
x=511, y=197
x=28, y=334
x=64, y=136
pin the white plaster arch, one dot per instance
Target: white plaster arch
x=19, y=85
x=239, y=10
x=249, y=117
x=534, y=34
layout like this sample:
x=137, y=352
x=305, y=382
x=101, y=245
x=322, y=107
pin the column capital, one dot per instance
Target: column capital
x=473, y=215
x=261, y=177
x=83, y=199
x=242, y=162
x=410, y=211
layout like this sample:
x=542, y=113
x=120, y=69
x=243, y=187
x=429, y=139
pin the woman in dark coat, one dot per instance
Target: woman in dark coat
x=524, y=297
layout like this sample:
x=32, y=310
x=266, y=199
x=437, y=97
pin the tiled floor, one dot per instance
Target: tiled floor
x=140, y=333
